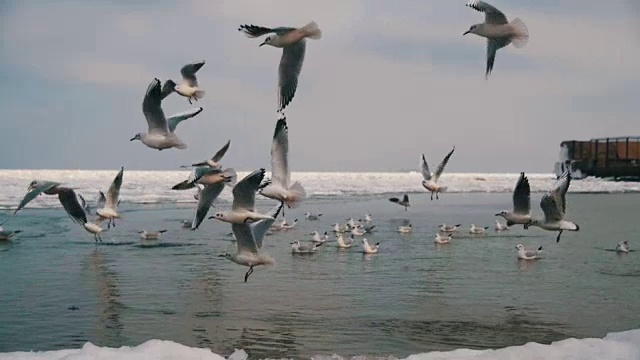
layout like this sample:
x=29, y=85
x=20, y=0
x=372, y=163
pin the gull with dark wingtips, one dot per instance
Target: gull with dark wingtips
x=189, y=86
x=109, y=210
x=521, y=213
x=249, y=242
x=280, y=187
x=554, y=207
x=214, y=162
x=293, y=44
x=244, y=200
x=430, y=180
x=498, y=31
x=404, y=202
x=161, y=134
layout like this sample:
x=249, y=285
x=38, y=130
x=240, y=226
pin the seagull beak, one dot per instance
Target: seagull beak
x=466, y=32
x=498, y=214
x=262, y=43
x=221, y=255
x=211, y=217
x=133, y=138
x=292, y=242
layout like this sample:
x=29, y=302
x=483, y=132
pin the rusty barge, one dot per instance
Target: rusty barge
x=614, y=157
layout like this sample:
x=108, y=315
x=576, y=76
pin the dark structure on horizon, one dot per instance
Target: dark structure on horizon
x=614, y=157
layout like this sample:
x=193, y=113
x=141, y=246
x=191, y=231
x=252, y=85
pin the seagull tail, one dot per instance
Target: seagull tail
x=297, y=194
x=521, y=33
x=231, y=178
x=443, y=189
x=181, y=146
x=312, y=31
x=198, y=94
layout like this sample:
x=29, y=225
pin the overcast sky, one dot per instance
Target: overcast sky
x=388, y=81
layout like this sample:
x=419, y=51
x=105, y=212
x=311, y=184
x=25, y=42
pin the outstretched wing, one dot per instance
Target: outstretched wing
x=218, y=156
x=289, y=71
x=114, y=191
x=426, y=174
x=47, y=185
x=522, y=196
x=261, y=227
x=279, y=154
x=189, y=73
x=553, y=203
x=244, y=193
x=176, y=119
x=152, y=109
x=253, y=31
x=205, y=200
x=444, y=162
x=491, y=14
x=71, y=205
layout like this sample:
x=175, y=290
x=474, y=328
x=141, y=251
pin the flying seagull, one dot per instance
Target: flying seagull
x=244, y=199
x=249, y=241
x=521, y=213
x=498, y=31
x=554, y=206
x=214, y=162
x=69, y=200
x=189, y=86
x=161, y=133
x=280, y=187
x=430, y=180
x=404, y=202
x=293, y=44
x=109, y=211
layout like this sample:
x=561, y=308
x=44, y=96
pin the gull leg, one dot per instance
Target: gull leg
x=114, y=223
x=558, y=238
x=189, y=100
x=246, y=276
x=437, y=198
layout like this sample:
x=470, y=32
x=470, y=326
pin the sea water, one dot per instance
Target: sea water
x=60, y=290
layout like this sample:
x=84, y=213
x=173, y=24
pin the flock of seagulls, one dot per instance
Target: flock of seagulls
x=249, y=226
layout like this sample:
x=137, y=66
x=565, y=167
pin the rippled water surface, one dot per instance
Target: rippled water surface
x=60, y=290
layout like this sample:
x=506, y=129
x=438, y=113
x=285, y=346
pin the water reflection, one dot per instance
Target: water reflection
x=527, y=265
x=109, y=308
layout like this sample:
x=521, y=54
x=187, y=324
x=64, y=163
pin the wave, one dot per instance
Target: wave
x=154, y=187
x=620, y=346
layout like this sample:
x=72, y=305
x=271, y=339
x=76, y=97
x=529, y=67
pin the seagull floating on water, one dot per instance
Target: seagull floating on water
x=311, y=217
x=297, y=248
x=161, y=133
x=501, y=227
x=448, y=229
x=430, y=179
x=150, y=235
x=280, y=188
x=358, y=230
x=214, y=162
x=343, y=244
x=404, y=202
x=339, y=229
x=527, y=254
x=477, y=229
x=368, y=249
x=189, y=86
x=405, y=229
x=293, y=44
x=442, y=239
x=521, y=213
x=249, y=241
x=554, y=206
x=319, y=239
x=623, y=247
x=498, y=31
x=244, y=199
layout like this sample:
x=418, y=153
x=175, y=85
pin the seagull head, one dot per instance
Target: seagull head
x=225, y=255
x=501, y=213
x=519, y=247
x=136, y=137
x=34, y=184
x=267, y=41
x=472, y=30
x=218, y=216
x=296, y=242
